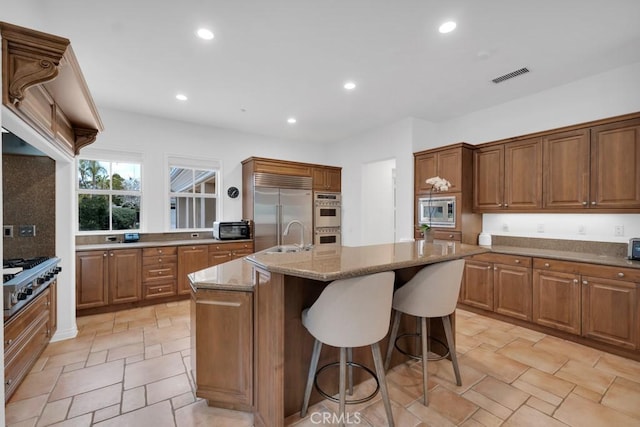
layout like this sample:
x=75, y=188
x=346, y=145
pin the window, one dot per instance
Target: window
x=109, y=195
x=193, y=192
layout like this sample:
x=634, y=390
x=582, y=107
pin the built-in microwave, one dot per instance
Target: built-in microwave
x=437, y=211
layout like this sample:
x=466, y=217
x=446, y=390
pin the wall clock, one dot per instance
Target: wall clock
x=233, y=192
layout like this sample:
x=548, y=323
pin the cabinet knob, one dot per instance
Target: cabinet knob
x=500, y=205
x=159, y=289
x=584, y=203
x=575, y=281
x=111, y=254
x=620, y=274
x=451, y=236
x=517, y=261
x=593, y=203
x=9, y=342
x=584, y=282
x=104, y=254
x=488, y=267
x=495, y=268
x=9, y=381
x=546, y=264
x=506, y=205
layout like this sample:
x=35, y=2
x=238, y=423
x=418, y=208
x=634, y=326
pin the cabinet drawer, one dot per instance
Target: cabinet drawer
x=555, y=265
x=159, y=272
x=160, y=250
x=160, y=260
x=607, y=272
x=228, y=247
x=159, y=290
x=447, y=235
x=22, y=321
x=513, y=260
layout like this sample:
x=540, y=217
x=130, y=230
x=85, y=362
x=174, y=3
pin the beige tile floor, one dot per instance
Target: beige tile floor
x=131, y=368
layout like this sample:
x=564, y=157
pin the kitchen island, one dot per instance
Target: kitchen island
x=278, y=286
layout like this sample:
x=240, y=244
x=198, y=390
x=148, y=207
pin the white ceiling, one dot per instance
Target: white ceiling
x=281, y=58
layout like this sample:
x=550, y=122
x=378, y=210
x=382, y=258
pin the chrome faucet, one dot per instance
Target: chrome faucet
x=286, y=230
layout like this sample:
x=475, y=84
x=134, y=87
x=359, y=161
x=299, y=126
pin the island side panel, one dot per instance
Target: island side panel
x=268, y=348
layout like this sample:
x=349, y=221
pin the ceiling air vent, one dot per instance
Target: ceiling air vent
x=510, y=75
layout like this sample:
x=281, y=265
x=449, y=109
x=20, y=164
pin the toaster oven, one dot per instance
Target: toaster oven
x=233, y=230
x=634, y=248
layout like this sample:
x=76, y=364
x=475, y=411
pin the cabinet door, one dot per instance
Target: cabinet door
x=566, y=169
x=512, y=291
x=609, y=311
x=333, y=179
x=91, y=279
x=615, y=165
x=125, y=275
x=523, y=174
x=449, y=167
x=224, y=348
x=319, y=179
x=556, y=300
x=478, y=284
x=190, y=259
x=424, y=168
x=488, y=178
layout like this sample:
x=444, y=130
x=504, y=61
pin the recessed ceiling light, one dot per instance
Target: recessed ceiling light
x=291, y=120
x=181, y=97
x=349, y=85
x=205, y=34
x=447, y=27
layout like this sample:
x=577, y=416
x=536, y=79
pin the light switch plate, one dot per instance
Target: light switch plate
x=27, y=230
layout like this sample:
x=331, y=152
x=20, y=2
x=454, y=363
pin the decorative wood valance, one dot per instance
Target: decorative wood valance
x=43, y=84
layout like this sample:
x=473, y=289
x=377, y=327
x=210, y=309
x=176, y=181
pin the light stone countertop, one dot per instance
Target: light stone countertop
x=153, y=244
x=328, y=263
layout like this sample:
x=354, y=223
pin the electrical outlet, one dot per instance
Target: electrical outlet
x=27, y=230
x=582, y=229
x=618, y=230
x=7, y=230
x=110, y=238
x=195, y=235
x=505, y=227
x=540, y=228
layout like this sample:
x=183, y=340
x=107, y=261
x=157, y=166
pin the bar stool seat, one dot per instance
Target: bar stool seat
x=432, y=292
x=349, y=313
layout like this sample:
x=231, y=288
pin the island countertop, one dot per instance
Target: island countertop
x=328, y=263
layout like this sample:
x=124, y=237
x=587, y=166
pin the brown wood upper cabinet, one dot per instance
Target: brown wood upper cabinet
x=446, y=164
x=327, y=179
x=508, y=176
x=596, y=168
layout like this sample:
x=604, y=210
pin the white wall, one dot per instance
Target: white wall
x=389, y=143
x=378, y=224
x=604, y=95
x=154, y=138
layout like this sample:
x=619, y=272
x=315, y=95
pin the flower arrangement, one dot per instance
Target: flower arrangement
x=437, y=184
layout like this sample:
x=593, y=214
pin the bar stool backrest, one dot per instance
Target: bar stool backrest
x=352, y=312
x=432, y=292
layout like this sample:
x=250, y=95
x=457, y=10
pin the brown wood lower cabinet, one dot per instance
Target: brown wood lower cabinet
x=597, y=302
x=25, y=336
x=222, y=326
x=190, y=259
x=500, y=283
x=159, y=272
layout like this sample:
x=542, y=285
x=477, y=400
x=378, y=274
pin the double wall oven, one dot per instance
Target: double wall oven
x=327, y=218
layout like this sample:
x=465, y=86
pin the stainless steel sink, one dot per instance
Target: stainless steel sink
x=286, y=249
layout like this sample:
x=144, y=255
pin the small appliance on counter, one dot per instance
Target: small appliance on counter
x=634, y=248
x=233, y=230
x=131, y=237
x=484, y=239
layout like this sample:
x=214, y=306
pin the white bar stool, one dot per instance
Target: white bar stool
x=351, y=313
x=432, y=292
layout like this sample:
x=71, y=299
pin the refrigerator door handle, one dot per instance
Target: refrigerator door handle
x=279, y=225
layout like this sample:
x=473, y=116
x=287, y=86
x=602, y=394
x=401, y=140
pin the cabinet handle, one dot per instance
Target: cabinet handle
x=620, y=274
x=546, y=264
x=517, y=261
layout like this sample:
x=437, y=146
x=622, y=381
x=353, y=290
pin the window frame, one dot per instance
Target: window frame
x=110, y=157
x=193, y=163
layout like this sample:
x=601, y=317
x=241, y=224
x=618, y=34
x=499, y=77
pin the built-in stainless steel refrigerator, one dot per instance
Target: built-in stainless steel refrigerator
x=278, y=200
